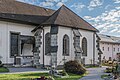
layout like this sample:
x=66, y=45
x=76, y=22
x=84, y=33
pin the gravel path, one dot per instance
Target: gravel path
x=94, y=74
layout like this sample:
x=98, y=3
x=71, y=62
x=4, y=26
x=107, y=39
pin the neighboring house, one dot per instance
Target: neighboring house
x=110, y=46
x=32, y=35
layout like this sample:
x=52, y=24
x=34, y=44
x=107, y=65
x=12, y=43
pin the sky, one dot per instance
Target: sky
x=102, y=14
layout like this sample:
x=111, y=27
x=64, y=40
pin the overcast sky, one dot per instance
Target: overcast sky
x=102, y=14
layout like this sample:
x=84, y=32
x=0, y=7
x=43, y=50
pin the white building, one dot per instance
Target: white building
x=32, y=35
x=110, y=46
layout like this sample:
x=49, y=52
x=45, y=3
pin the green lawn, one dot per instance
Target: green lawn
x=92, y=67
x=29, y=76
x=3, y=69
x=103, y=76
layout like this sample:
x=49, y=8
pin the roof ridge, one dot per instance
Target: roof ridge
x=59, y=11
x=54, y=14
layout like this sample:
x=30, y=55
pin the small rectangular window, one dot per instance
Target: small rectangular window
x=108, y=48
x=118, y=49
x=103, y=48
x=114, y=49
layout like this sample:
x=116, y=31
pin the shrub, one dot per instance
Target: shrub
x=109, y=70
x=74, y=67
x=109, y=63
x=1, y=65
x=63, y=73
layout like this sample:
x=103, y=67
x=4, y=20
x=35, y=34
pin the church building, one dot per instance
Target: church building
x=35, y=36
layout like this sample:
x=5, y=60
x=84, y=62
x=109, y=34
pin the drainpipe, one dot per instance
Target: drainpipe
x=7, y=57
x=43, y=49
x=94, y=48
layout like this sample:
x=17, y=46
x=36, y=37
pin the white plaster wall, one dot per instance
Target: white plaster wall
x=46, y=58
x=41, y=49
x=61, y=33
x=5, y=28
x=84, y=33
x=64, y=30
x=89, y=36
x=111, y=52
x=96, y=50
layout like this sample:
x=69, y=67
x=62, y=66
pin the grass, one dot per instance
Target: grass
x=91, y=66
x=3, y=69
x=29, y=76
x=106, y=77
x=72, y=77
x=103, y=76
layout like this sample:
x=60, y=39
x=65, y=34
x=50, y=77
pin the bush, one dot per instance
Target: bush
x=109, y=63
x=109, y=70
x=74, y=67
x=1, y=65
x=63, y=73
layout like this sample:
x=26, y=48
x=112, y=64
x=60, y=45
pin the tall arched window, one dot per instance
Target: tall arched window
x=66, y=45
x=84, y=46
x=47, y=43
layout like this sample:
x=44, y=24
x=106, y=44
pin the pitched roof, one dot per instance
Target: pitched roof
x=19, y=11
x=21, y=18
x=16, y=7
x=65, y=17
x=109, y=39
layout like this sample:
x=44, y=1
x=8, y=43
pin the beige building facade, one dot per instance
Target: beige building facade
x=110, y=46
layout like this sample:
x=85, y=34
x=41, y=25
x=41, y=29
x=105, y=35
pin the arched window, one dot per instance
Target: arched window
x=66, y=45
x=84, y=46
x=47, y=43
